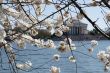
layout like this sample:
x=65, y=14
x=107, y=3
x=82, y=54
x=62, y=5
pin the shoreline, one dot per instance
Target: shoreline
x=82, y=37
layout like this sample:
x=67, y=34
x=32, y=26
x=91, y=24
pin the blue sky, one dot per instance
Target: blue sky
x=93, y=12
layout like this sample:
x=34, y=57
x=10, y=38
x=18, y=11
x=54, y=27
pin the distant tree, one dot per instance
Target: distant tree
x=94, y=32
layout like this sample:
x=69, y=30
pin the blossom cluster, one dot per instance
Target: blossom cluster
x=21, y=32
x=104, y=57
x=20, y=26
x=93, y=43
x=66, y=45
x=26, y=65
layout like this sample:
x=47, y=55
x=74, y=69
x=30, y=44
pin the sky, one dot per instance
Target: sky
x=93, y=12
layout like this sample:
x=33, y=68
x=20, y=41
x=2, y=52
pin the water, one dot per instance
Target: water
x=41, y=59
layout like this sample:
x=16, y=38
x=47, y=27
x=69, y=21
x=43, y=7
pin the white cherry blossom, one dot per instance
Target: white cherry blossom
x=54, y=69
x=56, y=57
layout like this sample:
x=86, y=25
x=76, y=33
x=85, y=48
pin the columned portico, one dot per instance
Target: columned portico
x=78, y=28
